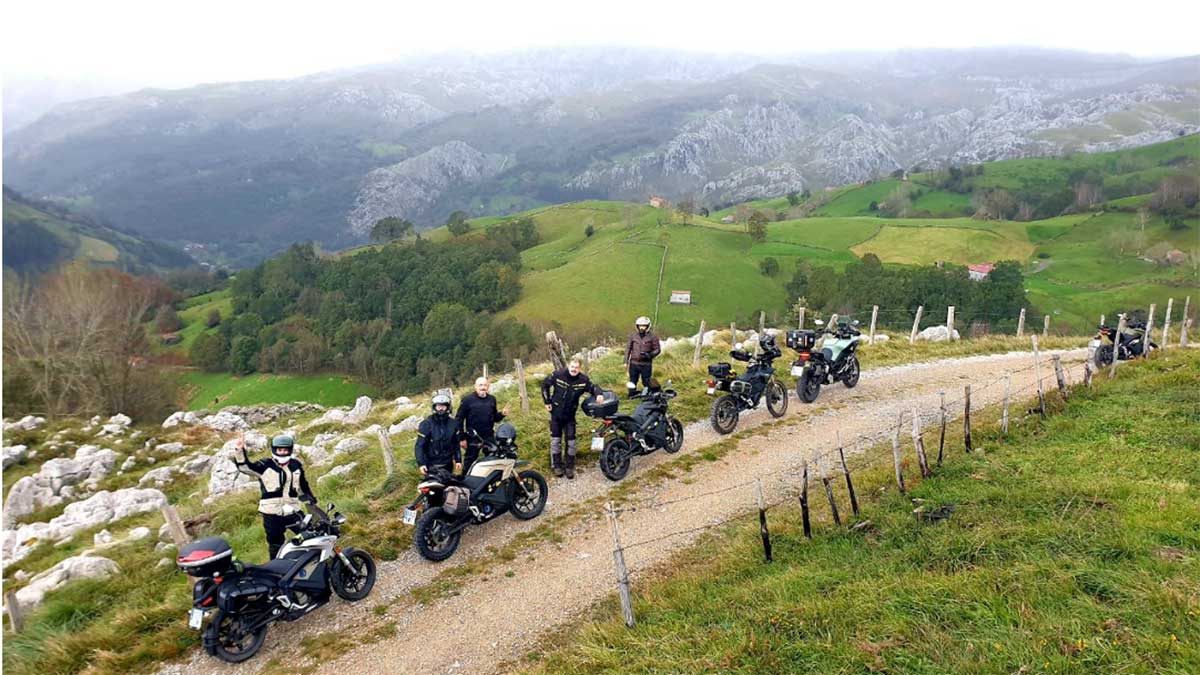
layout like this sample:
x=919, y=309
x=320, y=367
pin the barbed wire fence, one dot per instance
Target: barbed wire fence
x=864, y=452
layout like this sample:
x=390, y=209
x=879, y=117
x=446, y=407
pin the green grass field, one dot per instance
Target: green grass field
x=1072, y=548
x=217, y=390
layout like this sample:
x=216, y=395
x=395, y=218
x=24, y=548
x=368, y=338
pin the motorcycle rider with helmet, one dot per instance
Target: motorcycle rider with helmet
x=437, y=439
x=640, y=350
x=282, y=486
x=561, y=391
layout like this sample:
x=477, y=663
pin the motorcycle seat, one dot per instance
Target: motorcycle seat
x=276, y=569
x=472, y=483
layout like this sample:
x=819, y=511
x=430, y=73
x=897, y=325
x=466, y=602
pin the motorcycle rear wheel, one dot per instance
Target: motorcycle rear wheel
x=724, y=415
x=808, y=387
x=355, y=583
x=614, y=459
x=529, y=506
x=222, y=645
x=1104, y=355
x=430, y=536
x=777, y=399
x=674, y=435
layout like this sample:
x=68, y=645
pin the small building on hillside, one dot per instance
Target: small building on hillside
x=681, y=298
x=728, y=220
x=659, y=202
x=980, y=272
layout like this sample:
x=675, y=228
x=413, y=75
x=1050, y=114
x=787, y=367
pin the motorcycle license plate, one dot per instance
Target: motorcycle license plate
x=797, y=371
x=597, y=443
x=1094, y=344
x=196, y=618
x=410, y=516
x=712, y=390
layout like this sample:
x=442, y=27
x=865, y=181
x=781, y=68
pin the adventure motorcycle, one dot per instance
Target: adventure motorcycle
x=446, y=504
x=836, y=361
x=1132, y=343
x=748, y=389
x=239, y=602
x=620, y=437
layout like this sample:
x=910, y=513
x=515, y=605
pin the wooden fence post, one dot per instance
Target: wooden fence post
x=174, y=525
x=1004, y=414
x=950, y=322
x=389, y=458
x=762, y=520
x=557, y=354
x=1150, y=324
x=1166, y=336
x=967, y=418
x=804, y=504
x=1046, y=326
x=874, y=316
x=521, y=385
x=13, y=607
x=837, y=519
x=919, y=445
x=762, y=322
x=1112, y=371
x=1087, y=372
x=732, y=333
x=896, y=453
x=1060, y=376
x=699, y=344
x=485, y=370
x=800, y=324
x=912, y=337
x=849, y=482
x=619, y=563
x=942, y=435
x=1021, y=323
x=1037, y=372
x=1101, y=319
x=1184, y=322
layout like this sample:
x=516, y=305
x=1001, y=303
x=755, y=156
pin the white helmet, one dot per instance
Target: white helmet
x=642, y=321
x=440, y=399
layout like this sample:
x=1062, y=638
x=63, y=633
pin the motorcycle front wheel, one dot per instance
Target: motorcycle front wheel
x=614, y=459
x=674, y=435
x=808, y=387
x=432, y=536
x=225, y=640
x=355, y=582
x=777, y=399
x=724, y=415
x=527, y=504
x=852, y=373
x=1104, y=355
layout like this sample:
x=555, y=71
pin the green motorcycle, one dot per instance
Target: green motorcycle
x=835, y=361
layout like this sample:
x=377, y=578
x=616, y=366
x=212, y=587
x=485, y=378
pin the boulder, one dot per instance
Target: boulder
x=75, y=567
x=55, y=480
x=323, y=439
x=409, y=424
x=338, y=471
x=158, y=477
x=707, y=338
x=182, y=417
x=14, y=454
x=138, y=533
x=362, y=408
x=505, y=383
x=593, y=355
x=331, y=416
x=348, y=445
x=120, y=420
x=372, y=431
x=128, y=464
x=314, y=455
x=404, y=404
x=882, y=338
x=171, y=448
x=101, y=508
x=224, y=477
x=26, y=423
x=936, y=334
x=226, y=422
x=102, y=538
x=197, y=466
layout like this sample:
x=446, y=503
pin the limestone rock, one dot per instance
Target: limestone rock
x=225, y=421
x=159, y=477
x=171, y=448
x=349, y=445
x=338, y=471
x=76, y=567
x=362, y=408
x=14, y=454
x=101, y=508
x=26, y=423
x=409, y=424
x=936, y=334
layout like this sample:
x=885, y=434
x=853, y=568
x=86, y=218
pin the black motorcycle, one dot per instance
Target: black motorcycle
x=244, y=600
x=836, y=361
x=620, y=437
x=745, y=391
x=446, y=505
x=1130, y=345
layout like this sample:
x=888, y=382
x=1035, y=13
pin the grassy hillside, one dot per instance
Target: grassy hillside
x=1073, y=548
x=217, y=390
x=39, y=236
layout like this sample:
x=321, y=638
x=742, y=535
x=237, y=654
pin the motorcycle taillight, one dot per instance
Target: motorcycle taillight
x=804, y=356
x=711, y=383
x=607, y=422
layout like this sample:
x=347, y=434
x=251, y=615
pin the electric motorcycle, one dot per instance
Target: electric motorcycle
x=446, y=505
x=621, y=437
x=835, y=361
x=234, y=604
x=745, y=391
x=1132, y=343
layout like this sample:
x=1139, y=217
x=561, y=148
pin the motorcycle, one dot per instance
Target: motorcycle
x=1131, y=344
x=234, y=604
x=446, y=505
x=620, y=437
x=836, y=361
x=745, y=391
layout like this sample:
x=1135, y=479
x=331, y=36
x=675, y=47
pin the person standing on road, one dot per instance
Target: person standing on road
x=477, y=412
x=640, y=351
x=437, y=439
x=282, y=487
x=561, y=391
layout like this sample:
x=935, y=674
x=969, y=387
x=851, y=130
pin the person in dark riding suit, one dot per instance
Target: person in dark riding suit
x=282, y=487
x=561, y=391
x=640, y=351
x=437, y=439
x=479, y=413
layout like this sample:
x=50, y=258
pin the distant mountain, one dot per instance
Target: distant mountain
x=249, y=167
x=40, y=235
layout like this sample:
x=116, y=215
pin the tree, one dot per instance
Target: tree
x=897, y=203
x=757, y=226
x=209, y=351
x=167, y=320
x=457, y=224
x=793, y=198
x=243, y=355
x=686, y=208
x=214, y=318
x=390, y=228
x=769, y=266
x=589, y=230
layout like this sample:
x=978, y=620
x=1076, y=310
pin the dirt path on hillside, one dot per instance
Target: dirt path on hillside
x=498, y=618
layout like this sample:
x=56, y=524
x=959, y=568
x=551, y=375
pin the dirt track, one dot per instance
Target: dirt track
x=497, y=619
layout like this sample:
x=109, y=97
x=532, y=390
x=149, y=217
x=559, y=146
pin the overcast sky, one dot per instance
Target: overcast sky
x=181, y=43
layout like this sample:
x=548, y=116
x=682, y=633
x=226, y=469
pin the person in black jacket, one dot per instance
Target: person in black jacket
x=282, y=487
x=561, y=391
x=640, y=350
x=437, y=439
x=479, y=413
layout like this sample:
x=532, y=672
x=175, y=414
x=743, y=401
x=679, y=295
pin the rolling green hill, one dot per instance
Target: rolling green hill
x=38, y=236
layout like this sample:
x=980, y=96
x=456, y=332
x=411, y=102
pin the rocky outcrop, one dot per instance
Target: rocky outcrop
x=338, y=471
x=101, y=508
x=14, y=454
x=64, y=572
x=59, y=480
x=410, y=423
x=26, y=423
x=936, y=334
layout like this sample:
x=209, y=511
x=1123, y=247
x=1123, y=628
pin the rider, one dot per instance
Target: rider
x=478, y=413
x=560, y=392
x=640, y=351
x=437, y=436
x=282, y=486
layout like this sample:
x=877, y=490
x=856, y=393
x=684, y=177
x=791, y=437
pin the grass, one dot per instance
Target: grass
x=1073, y=549
x=925, y=245
x=194, y=316
x=217, y=390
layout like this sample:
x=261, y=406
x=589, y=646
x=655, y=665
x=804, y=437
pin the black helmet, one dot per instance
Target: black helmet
x=506, y=434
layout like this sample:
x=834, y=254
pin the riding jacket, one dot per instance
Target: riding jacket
x=562, y=391
x=280, y=485
x=642, y=348
x=437, y=441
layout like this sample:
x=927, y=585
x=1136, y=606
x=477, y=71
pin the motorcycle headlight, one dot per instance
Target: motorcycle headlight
x=338, y=519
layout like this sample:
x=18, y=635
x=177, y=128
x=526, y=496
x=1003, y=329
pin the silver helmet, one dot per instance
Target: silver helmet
x=440, y=399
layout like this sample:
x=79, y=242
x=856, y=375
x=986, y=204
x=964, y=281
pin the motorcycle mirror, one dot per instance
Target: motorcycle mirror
x=330, y=507
x=738, y=346
x=854, y=322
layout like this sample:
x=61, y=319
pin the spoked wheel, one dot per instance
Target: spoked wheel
x=1104, y=355
x=852, y=373
x=433, y=538
x=356, y=581
x=674, y=435
x=724, y=415
x=528, y=502
x=777, y=399
x=614, y=459
x=227, y=640
x=808, y=387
